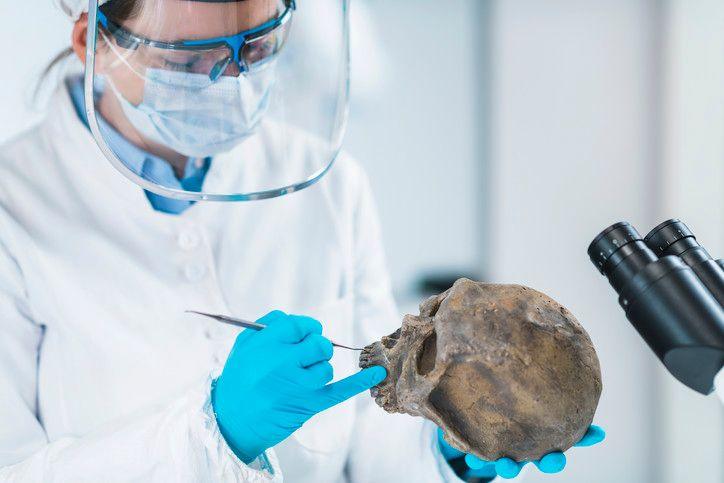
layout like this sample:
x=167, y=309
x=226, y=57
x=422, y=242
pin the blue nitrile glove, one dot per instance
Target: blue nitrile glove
x=276, y=379
x=508, y=468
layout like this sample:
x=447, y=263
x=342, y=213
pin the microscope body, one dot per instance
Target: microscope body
x=673, y=294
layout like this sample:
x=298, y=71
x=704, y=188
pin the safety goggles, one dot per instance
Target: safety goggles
x=268, y=104
x=250, y=50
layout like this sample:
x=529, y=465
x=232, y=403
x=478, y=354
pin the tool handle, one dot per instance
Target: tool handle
x=246, y=324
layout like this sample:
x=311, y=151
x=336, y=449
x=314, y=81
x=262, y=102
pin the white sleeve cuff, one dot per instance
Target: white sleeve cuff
x=222, y=462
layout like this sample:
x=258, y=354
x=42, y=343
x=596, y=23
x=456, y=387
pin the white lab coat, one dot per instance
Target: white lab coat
x=102, y=375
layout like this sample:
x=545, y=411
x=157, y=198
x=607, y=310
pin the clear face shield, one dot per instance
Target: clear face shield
x=212, y=87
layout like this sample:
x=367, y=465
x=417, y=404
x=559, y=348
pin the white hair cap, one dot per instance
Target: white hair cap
x=74, y=8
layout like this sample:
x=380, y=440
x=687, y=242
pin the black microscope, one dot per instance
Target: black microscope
x=672, y=292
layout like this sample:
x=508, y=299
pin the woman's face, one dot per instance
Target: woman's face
x=173, y=21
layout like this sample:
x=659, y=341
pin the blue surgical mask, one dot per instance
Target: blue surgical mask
x=181, y=111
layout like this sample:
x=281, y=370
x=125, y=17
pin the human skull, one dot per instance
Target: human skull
x=504, y=370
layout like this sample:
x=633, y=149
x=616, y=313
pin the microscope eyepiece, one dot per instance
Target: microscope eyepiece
x=605, y=245
x=665, y=238
x=620, y=253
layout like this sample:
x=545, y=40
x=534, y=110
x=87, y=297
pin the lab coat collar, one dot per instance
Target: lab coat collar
x=93, y=176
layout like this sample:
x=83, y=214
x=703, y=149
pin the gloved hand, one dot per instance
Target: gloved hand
x=276, y=379
x=507, y=468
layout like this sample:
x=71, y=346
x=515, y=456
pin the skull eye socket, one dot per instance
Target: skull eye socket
x=427, y=355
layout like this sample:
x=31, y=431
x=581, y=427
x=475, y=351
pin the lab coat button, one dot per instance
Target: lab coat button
x=188, y=240
x=194, y=272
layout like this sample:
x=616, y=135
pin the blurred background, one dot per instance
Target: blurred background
x=501, y=137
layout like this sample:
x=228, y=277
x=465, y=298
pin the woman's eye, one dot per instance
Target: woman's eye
x=179, y=64
x=175, y=65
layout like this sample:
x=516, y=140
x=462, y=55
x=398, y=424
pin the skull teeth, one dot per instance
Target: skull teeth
x=373, y=355
x=376, y=355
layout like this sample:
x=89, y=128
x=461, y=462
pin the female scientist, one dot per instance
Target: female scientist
x=104, y=245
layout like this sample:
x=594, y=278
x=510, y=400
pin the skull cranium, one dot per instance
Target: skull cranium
x=503, y=369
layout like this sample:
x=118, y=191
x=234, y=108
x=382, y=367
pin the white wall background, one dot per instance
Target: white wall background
x=518, y=188
x=419, y=134
x=31, y=34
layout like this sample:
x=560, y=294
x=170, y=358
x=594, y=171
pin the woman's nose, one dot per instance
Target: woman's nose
x=232, y=70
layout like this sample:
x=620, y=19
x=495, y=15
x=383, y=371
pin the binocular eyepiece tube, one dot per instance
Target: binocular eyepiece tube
x=673, y=237
x=673, y=294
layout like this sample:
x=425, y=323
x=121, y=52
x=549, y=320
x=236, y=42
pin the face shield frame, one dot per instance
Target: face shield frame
x=97, y=20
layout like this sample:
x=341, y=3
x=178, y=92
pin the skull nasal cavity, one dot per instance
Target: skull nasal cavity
x=426, y=357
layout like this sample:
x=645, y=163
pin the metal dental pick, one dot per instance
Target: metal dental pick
x=246, y=324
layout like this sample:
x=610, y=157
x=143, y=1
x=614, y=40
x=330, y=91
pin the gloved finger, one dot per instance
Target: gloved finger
x=315, y=376
x=507, y=468
x=594, y=435
x=552, y=462
x=475, y=463
x=313, y=349
x=291, y=329
x=348, y=387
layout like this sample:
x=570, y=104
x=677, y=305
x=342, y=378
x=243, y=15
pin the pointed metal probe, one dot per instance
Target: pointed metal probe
x=246, y=324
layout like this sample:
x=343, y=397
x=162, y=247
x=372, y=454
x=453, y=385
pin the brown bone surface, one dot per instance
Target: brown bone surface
x=504, y=370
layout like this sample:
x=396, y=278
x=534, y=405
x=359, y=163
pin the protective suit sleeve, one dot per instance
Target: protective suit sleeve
x=179, y=442
x=385, y=447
